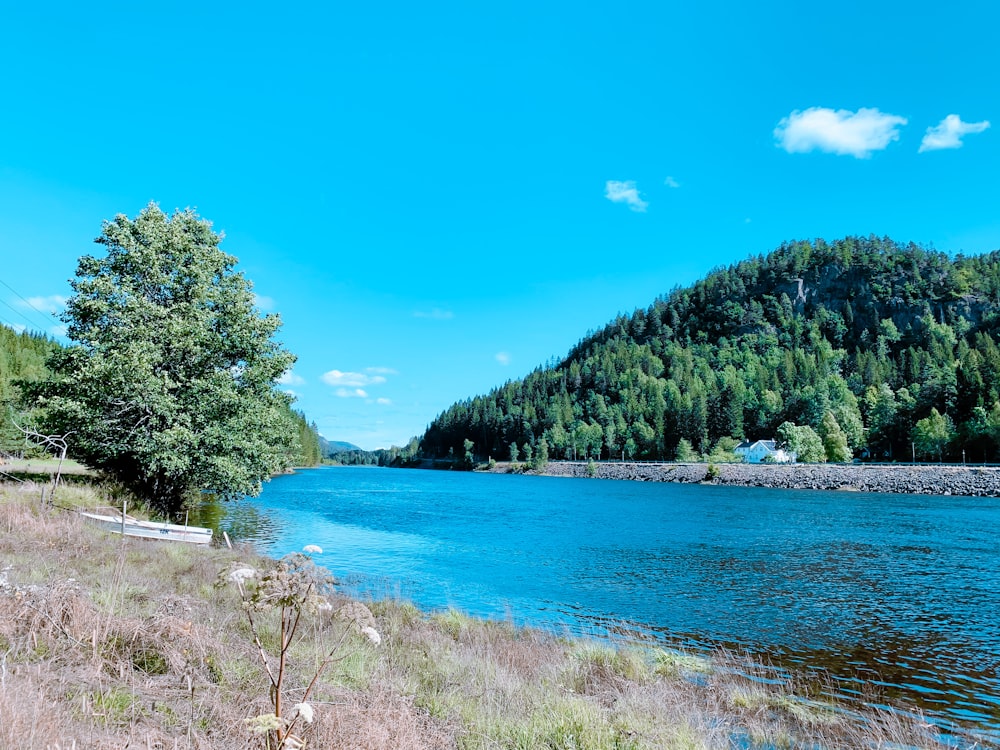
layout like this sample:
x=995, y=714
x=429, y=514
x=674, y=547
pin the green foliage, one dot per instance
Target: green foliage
x=306, y=450
x=685, y=452
x=932, y=434
x=803, y=442
x=724, y=451
x=834, y=440
x=169, y=387
x=542, y=457
x=22, y=360
x=873, y=332
x=408, y=455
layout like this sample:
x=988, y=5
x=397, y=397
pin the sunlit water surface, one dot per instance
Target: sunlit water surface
x=898, y=594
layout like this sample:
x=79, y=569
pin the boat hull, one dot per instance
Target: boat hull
x=170, y=532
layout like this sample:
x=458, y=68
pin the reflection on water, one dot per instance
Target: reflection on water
x=242, y=521
x=889, y=597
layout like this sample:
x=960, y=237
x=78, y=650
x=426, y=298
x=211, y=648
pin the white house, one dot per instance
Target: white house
x=760, y=451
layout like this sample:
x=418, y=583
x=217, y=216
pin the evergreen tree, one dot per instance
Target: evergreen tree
x=875, y=333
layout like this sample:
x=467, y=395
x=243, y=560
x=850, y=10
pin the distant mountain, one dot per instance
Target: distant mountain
x=860, y=347
x=333, y=447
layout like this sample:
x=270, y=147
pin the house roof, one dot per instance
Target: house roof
x=771, y=445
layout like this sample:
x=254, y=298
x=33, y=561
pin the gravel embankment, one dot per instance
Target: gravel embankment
x=982, y=481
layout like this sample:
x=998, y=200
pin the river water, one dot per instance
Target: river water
x=896, y=596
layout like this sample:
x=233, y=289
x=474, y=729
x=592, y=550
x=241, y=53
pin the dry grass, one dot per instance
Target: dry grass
x=111, y=643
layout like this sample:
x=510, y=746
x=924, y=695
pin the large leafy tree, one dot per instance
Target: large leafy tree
x=169, y=386
x=932, y=434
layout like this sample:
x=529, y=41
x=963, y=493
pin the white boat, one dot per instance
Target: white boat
x=150, y=529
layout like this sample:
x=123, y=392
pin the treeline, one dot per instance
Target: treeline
x=858, y=348
x=399, y=457
x=23, y=358
x=309, y=451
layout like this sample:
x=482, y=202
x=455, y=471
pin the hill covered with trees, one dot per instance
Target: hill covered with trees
x=861, y=347
x=22, y=358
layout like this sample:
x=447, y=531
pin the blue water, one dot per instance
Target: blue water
x=894, y=594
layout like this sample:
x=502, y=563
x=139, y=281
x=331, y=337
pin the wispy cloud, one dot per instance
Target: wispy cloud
x=384, y=401
x=435, y=314
x=351, y=393
x=265, y=304
x=381, y=371
x=625, y=192
x=351, y=379
x=840, y=131
x=949, y=133
x=670, y=182
x=290, y=378
x=503, y=358
x=52, y=304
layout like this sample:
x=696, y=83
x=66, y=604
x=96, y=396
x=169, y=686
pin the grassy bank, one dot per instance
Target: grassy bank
x=108, y=643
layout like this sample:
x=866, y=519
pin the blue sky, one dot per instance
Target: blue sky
x=440, y=197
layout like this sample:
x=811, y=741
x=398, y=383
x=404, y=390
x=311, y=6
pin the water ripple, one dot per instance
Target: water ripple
x=885, y=598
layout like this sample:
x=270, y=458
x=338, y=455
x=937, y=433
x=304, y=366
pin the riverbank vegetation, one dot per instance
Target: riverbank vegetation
x=109, y=642
x=169, y=385
x=858, y=348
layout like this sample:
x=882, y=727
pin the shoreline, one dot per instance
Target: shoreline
x=907, y=479
x=101, y=646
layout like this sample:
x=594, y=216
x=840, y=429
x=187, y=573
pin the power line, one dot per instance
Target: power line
x=32, y=323
x=18, y=327
x=28, y=303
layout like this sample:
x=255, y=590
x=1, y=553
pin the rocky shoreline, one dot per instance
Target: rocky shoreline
x=977, y=481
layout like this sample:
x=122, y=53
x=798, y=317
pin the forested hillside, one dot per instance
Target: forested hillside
x=858, y=348
x=22, y=357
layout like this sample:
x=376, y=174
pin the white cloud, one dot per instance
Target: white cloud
x=351, y=393
x=352, y=379
x=503, y=358
x=263, y=303
x=51, y=304
x=624, y=192
x=381, y=371
x=290, y=378
x=670, y=182
x=58, y=331
x=840, y=131
x=949, y=133
x=384, y=401
x=435, y=314
x=291, y=393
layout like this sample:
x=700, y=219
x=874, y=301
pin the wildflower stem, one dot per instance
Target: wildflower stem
x=325, y=663
x=260, y=648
